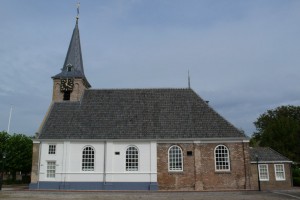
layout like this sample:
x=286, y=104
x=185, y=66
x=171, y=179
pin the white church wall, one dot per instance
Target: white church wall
x=108, y=165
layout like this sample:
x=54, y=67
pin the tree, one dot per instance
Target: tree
x=280, y=130
x=18, y=150
x=3, y=141
x=19, y=154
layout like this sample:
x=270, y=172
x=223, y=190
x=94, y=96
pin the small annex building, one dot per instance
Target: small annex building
x=134, y=139
x=274, y=169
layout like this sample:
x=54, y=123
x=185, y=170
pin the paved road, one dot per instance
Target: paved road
x=242, y=195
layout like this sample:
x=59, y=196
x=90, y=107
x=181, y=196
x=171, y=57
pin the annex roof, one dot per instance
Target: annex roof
x=136, y=114
x=266, y=154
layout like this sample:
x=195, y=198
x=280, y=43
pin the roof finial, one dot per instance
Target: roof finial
x=189, y=81
x=77, y=17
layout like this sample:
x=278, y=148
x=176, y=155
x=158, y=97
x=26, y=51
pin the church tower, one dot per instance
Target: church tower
x=71, y=82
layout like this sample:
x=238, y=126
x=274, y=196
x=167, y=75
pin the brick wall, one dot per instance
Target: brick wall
x=184, y=180
x=272, y=183
x=199, y=169
x=76, y=94
x=210, y=179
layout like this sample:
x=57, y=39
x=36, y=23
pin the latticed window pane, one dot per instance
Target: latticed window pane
x=132, y=159
x=88, y=158
x=263, y=172
x=175, y=159
x=52, y=149
x=51, y=166
x=279, y=172
x=222, y=158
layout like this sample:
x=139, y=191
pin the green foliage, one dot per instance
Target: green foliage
x=296, y=172
x=296, y=181
x=280, y=130
x=18, y=150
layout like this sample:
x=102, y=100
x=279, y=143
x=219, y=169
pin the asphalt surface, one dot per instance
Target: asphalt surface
x=18, y=193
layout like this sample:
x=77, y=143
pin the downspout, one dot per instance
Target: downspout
x=39, y=164
x=63, y=175
x=245, y=170
x=104, y=163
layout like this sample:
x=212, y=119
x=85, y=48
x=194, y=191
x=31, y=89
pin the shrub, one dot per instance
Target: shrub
x=296, y=172
x=296, y=181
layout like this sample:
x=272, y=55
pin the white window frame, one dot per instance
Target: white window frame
x=176, y=164
x=132, y=158
x=277, y=171
x=51, y=169
x=52, y=149
x=261, y=178
x=223, y=158
x=88, y=160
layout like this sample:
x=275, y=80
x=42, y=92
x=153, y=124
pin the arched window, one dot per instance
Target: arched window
x=88, y=158
x=222, y=162
x=175, y=158
x=132, y=159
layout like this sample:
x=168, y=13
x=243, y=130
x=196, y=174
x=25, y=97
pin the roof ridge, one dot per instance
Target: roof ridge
x=140, y=89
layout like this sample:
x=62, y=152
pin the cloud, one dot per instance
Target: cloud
x=242, y=56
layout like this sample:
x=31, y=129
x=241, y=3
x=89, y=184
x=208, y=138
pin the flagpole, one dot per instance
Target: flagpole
x=9, y=119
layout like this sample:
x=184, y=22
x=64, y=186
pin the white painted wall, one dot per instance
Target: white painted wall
x=108, y=166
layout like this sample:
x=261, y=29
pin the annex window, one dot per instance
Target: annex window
x=263, y=172
x=88, y=158
x=279, y=172
x=51, y=167
x=175, y=158
x=132, y=159
x=222, y=162
x=52, y=149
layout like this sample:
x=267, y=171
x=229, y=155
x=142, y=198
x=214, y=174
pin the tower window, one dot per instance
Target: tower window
x=67, y=95
x=69, y=68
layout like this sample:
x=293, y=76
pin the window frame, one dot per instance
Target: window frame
x=51, y=172
x=51, y=149
x=132, y=163
x=86, y=164
x=172, y=166
x=260, y=174
x=225, y=161
x=276, y=171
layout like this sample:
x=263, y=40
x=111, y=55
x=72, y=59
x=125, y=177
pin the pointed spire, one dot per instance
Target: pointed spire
x=73, y=65
x=74, y=56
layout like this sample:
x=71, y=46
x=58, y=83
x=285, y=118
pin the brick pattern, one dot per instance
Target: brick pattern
x=175, y=180
x=272, y=183
x=76, y=94
x=199, y=170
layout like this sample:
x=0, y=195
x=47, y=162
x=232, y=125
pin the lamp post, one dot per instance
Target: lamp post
x=256, y=156
x=2, y=170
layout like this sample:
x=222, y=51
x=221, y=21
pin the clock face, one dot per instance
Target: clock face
x=66, y=84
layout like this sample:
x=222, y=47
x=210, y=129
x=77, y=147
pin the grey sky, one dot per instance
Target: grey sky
x=243, y=56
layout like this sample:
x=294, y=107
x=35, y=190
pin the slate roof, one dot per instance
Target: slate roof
x=266, y=154
x=136, y=114
x=73, y=59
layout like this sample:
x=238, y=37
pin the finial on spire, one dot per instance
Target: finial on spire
x=77, y=17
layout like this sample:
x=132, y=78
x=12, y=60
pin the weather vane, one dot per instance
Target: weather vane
x=78, y=4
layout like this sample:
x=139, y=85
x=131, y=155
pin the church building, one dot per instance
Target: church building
x=134, y=139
